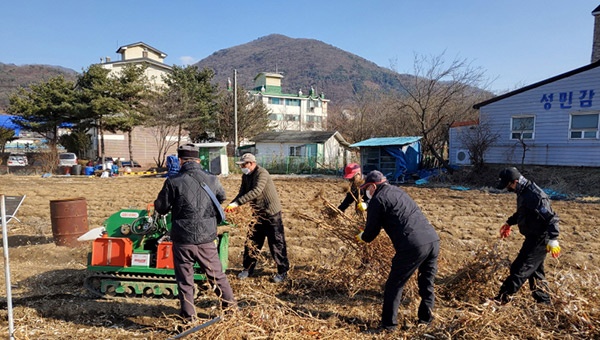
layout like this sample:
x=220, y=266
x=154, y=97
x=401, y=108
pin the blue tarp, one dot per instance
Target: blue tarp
x=6, y=122
x=172, y=165
x=405, y=150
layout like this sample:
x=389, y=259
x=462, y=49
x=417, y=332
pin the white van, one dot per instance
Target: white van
x=67, y=159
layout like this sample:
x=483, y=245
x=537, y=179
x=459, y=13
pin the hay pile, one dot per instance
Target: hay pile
x=308, y=306
x=355, y=265
x=335, y=285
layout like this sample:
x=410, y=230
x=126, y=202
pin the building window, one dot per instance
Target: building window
x=274, y=101
x=296, y=151
x=522, y=127
x=316, y=119
x=275, y=116
x=291, y=118
x=584, y=126
x=292, y=102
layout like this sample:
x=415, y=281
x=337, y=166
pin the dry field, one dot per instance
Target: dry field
x=321, y=300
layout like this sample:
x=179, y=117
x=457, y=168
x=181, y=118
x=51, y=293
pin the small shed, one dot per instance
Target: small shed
x=395, y=157
x=324, y=148
x=213, y=157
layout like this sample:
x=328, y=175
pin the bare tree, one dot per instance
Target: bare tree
x=523, y=129
x=163, y=123
x=478, y=139
x=370, y=115
x=437, y=95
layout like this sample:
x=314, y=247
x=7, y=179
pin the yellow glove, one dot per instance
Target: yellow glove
x=358, y=237
x=231, y=207
x=362, y=206
x=553, y=248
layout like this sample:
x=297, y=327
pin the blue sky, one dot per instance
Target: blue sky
x=516, y=42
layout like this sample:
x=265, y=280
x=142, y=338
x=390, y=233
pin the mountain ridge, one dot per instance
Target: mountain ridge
x=303, y=62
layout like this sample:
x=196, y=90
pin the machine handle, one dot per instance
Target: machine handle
x=150, y=209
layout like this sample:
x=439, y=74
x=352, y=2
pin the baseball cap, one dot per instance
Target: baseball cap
x=187, y=151
x=506, y=176
x=350, y=170
x=374, y=177
x=247, y=157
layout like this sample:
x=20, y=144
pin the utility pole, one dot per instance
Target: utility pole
x=235, y=112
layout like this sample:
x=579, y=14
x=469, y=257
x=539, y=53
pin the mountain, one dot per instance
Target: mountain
x=12, y=77
x=303, y=63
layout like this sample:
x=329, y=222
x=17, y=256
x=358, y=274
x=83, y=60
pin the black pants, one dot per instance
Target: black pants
x=185, y=256
x=404, y=264
x=271, y=228
x=529, y=265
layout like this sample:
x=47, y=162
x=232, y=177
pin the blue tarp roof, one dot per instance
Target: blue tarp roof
x=384, y=141
x=5, y=122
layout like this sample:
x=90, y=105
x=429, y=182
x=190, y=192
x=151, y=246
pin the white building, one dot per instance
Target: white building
x=140, y=53
x=320, y=149
x=295, y=112
x=552, y=122
x=144, y=140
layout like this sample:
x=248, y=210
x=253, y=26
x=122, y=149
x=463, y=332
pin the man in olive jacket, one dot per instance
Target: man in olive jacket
x=194, y=229
x=258, y=189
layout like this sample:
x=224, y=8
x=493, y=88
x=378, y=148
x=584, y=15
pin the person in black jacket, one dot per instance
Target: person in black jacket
x=539, y=224
x=194, y=229
x=353, y=174
x=415, y=240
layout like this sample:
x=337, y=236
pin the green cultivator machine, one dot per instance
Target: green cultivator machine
x=132, y=256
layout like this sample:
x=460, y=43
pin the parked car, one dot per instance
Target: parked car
x=106, y=160
x=17, y=160
x=67, y=159
x=128, y=164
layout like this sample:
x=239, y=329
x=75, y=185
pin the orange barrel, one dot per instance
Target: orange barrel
x=69, y=221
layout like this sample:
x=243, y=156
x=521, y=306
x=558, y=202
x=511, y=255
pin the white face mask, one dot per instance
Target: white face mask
x=245, y=171
x=368, y=193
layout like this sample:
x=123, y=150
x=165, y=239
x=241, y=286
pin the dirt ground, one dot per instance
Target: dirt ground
x=49, y=301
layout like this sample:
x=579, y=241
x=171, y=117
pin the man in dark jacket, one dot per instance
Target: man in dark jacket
x=194, y=229
x=258, y=189
x=414, y=239
x=539, y=224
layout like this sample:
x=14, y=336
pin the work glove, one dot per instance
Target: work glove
x=362, y=206
x=505, y=231
x=358, y=237
x=231, y=207
x=553, y=248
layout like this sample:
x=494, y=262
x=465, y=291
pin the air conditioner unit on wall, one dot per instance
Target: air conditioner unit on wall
x=462, y=157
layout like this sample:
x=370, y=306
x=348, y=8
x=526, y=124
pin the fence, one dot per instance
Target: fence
x=293, y=165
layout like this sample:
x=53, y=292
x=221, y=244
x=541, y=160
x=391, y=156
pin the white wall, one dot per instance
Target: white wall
x=551, y=144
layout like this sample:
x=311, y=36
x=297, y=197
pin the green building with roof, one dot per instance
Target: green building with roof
x=290, y=112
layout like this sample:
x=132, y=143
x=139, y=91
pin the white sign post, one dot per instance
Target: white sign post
x=11, y=327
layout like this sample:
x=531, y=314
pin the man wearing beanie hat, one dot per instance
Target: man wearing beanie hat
x=416, y=243
x=539, y=224
x=194, y=229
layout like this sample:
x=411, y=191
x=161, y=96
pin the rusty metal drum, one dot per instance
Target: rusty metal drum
x=69, y=220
